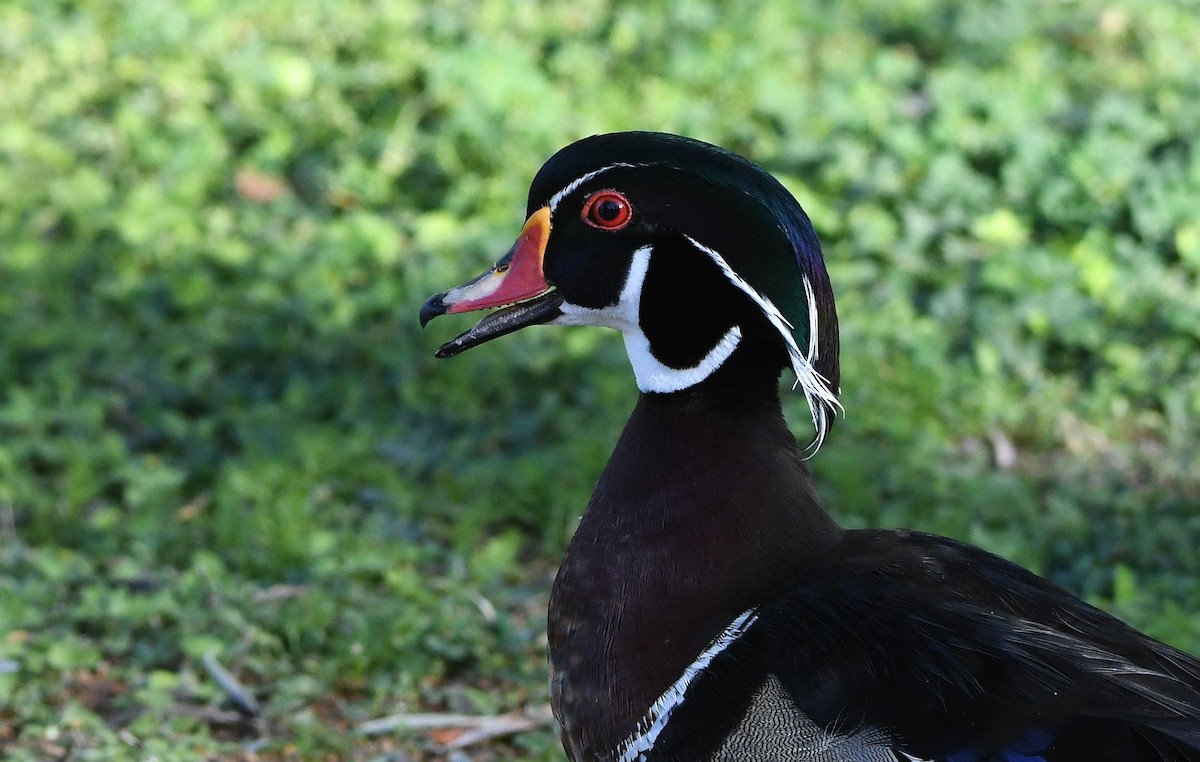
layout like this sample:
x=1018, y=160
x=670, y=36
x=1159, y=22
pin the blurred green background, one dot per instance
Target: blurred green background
x=221, y=430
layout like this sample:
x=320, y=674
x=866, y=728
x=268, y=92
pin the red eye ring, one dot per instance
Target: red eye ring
x=607, y=210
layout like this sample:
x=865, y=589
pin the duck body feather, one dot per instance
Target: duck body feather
x=850, y=646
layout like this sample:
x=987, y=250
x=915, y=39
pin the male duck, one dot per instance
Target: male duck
x=708, y=608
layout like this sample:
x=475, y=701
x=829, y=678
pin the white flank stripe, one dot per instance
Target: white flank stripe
x=821, y=400
x=574, y=184
x=659, y=713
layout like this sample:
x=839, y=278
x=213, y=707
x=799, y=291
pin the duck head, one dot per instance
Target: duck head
x=705, y=263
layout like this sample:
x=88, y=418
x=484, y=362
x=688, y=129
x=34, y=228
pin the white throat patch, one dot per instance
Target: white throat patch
x=651, y=373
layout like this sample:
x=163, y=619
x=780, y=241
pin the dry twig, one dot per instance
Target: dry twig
x=475, y=728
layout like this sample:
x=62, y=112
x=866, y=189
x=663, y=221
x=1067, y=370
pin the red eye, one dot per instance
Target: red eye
x=607, y=210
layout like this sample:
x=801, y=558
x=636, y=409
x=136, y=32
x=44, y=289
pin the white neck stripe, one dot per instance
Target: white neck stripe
x=653, y=376
x=652, y=724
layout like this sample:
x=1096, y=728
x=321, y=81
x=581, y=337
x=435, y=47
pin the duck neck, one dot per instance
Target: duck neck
x=705, y=510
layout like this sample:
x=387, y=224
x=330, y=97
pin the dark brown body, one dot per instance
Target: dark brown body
x=701, y=513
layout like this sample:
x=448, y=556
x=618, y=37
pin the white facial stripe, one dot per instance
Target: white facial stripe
x=624, y=314
x=631, y=293
x=652, y=374
x=642, y=740
x=558, y=197
x=821, y=400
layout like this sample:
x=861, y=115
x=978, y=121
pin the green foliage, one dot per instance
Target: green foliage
x=221, y=430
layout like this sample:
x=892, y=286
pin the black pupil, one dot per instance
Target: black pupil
x=608, y=209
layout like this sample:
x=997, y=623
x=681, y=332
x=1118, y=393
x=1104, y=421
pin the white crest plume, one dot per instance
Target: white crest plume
x=822, y=401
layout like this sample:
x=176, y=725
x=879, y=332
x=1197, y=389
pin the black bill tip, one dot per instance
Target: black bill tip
x=433, y=307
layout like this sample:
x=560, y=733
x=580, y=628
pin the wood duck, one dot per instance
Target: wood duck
x=708, y=608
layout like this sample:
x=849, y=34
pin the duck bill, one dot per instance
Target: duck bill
x=516, y=284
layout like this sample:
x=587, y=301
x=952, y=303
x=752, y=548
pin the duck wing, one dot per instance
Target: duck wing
x=903, y=647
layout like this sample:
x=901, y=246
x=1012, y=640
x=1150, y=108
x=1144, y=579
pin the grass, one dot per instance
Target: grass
x=222, y=433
